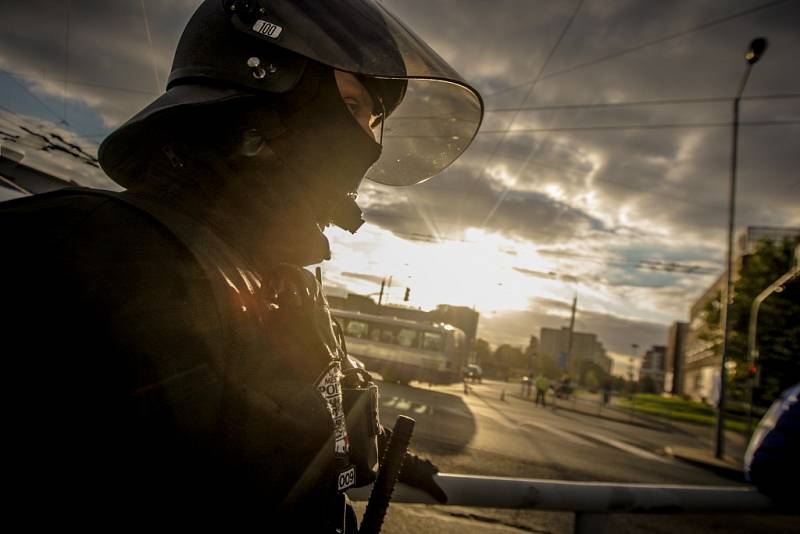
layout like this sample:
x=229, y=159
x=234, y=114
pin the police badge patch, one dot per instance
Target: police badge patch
x=330, y=388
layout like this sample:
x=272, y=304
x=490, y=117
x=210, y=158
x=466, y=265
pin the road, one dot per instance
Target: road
x=480, y=433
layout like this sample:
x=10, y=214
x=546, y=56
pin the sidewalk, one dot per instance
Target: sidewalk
x=699, y=455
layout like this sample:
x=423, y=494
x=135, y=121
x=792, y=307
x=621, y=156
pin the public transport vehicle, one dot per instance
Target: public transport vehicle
x=402, y=350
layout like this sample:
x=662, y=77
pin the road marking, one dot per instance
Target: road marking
x=560, y=433
x=629, y=448
x=391, y=402
x=402, y=404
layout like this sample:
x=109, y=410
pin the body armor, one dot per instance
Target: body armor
x=260, y=420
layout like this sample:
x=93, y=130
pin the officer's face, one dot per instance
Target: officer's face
x=357, y=99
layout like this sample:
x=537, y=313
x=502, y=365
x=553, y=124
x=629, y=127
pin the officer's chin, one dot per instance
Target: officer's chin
x=347, y=215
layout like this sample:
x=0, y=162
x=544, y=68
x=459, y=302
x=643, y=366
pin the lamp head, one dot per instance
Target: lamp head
x=757, y=48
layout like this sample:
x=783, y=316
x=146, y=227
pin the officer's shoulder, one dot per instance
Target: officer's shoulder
x=75, y=214
x=65, y=207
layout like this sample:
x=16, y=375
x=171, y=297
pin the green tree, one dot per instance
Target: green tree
x=483, y=352
x=590, y=379
x=512, y=357
x=778, y=324
x=591, y=375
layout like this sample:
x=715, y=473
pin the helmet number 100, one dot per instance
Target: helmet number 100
x=267, y=28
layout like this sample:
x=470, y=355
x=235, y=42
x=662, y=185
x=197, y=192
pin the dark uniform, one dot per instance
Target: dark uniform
x=159, y=366
x=167, y=355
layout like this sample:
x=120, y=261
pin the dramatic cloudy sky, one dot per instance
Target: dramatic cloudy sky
x=606, y=142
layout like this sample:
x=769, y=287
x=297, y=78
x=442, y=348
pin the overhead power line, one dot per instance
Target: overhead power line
x=672, y=126
x=150, y=43
x=667, y=102
x=32, y=76
x=625, y=51
x=66, y=59
x=641, y=127
x=527, y=95
x=33, y=96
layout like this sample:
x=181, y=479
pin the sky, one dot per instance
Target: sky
x=606, y=142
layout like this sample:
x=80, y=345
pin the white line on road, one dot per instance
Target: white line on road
x=560, y=433
x=629, y=448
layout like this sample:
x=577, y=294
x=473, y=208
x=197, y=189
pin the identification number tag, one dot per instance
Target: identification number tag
x=267, y=28
x=346, y=478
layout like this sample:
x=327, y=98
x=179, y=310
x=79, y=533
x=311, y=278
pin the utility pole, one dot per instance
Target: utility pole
x=571, y=330
x=380, y=295
x=388, y=288
x=754, y=53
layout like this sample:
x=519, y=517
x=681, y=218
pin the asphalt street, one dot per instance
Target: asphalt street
x=487, y=432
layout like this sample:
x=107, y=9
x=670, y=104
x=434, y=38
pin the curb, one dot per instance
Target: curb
x=727, y=468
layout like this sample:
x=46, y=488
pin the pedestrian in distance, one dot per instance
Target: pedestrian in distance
x=542, y=384
x=176, y=362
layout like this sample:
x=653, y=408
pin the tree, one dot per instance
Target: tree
x=483, y=351
x=508, y=356
x=590, y=380
x=648, y=385
x=590, y=374
x=778, y=324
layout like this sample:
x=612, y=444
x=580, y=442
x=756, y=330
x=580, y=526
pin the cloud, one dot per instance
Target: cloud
x=530, y=215
x=94, y=54
x=597, y=200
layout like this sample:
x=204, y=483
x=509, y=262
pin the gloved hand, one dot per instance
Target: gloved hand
x=416, y=472
x=419, y=473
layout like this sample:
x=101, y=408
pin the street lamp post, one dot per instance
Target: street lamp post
x=753, y=54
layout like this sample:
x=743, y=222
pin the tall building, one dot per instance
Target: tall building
x=585, y=347
x=532, y=350
x=703, y=344
x=675, y=358
x=653, y=366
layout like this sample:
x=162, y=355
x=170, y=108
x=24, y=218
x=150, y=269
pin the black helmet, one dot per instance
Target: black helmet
x=232, y=49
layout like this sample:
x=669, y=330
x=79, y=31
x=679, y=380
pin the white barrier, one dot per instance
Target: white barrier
x=590, y=501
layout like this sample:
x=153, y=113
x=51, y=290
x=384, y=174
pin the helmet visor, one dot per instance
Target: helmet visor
x=428, y=125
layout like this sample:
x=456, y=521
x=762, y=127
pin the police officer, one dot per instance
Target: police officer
x=170, y=355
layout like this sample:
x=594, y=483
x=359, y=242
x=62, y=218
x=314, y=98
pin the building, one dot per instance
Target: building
x=531, y=351
x=675, y=358
x=702, y=347
x=585, y=348
x=652, y=369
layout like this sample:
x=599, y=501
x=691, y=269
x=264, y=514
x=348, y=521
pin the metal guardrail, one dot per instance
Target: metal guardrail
x=592, y=502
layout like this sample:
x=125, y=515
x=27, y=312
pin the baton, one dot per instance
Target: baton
x=387, y=476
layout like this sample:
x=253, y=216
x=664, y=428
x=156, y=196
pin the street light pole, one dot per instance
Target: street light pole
x=754, y=53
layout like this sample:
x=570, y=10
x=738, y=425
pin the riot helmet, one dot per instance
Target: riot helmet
x=427, y=115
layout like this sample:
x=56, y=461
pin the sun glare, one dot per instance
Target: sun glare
x=485, y=271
